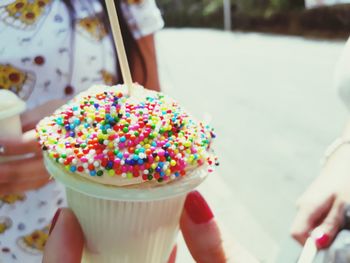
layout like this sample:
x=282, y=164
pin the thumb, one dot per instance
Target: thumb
x=200, y=231
x=66, y=240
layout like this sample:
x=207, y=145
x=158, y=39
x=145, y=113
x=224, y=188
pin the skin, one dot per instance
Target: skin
x=321, y=207
x=28, y=174
x=204, y=242
x=146, y=45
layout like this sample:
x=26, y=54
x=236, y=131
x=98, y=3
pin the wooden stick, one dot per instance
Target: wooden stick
x=119, y=44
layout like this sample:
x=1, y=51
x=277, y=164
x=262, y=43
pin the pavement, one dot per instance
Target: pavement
x=275, y=110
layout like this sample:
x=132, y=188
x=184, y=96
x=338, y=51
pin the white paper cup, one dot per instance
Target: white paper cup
x=10, y=123
x=130, y=225
x=10, y=109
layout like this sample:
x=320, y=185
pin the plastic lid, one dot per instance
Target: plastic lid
x=10, y=104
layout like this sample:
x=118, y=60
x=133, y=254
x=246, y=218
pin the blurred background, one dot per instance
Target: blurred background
x=325, y=19
x=261, y=72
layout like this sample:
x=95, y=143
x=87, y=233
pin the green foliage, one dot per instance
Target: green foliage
x=209, y=12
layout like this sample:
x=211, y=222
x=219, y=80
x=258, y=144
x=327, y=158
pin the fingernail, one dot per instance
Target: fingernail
x=197, y=208
x=322, y=240
x=54, y=220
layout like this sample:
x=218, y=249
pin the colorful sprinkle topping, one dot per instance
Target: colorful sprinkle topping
x=107, y=134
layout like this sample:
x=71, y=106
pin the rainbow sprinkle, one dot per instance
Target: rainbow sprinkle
x=104, y=134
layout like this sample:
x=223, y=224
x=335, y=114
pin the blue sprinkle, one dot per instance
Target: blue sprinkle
x=76, y=121
x=73, y=168
x=140, y=161
x=142, y=150
x=135, y=157
x=122, y=139
x=109, y=164
x=161, y=173
x=86, y=125
x=177, y=174
x=120, y=155
x=67, y=127
x=93, y=173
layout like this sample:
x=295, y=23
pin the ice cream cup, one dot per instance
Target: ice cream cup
x=126, y=224
x=10, y=124
x=10, y=108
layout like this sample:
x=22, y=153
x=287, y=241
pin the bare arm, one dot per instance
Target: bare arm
x=148, y=59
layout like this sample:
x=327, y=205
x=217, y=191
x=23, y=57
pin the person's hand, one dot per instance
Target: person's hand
x=321, y=207
x=198, y=226
x=27, y=170
x=24, y=169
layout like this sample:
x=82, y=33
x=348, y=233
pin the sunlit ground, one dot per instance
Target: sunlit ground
x=274, y=109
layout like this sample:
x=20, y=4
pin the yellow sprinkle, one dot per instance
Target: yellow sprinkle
x=111, y=172
x=172, y=162
x=154, y=166
x=168, y=172
x=129, y=175
x=187, y=144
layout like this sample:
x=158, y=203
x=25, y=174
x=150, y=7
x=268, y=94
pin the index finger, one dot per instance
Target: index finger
x=20, y=146
x=308, y=217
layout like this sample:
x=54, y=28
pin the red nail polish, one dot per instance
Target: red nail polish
x=54, y=219
x=197, y=208
x=322, y=241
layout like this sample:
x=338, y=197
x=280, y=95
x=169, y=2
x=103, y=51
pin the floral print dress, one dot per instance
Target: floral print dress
x=43, y=58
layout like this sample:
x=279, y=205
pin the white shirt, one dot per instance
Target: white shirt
x=42, y=58
x=342, y=75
